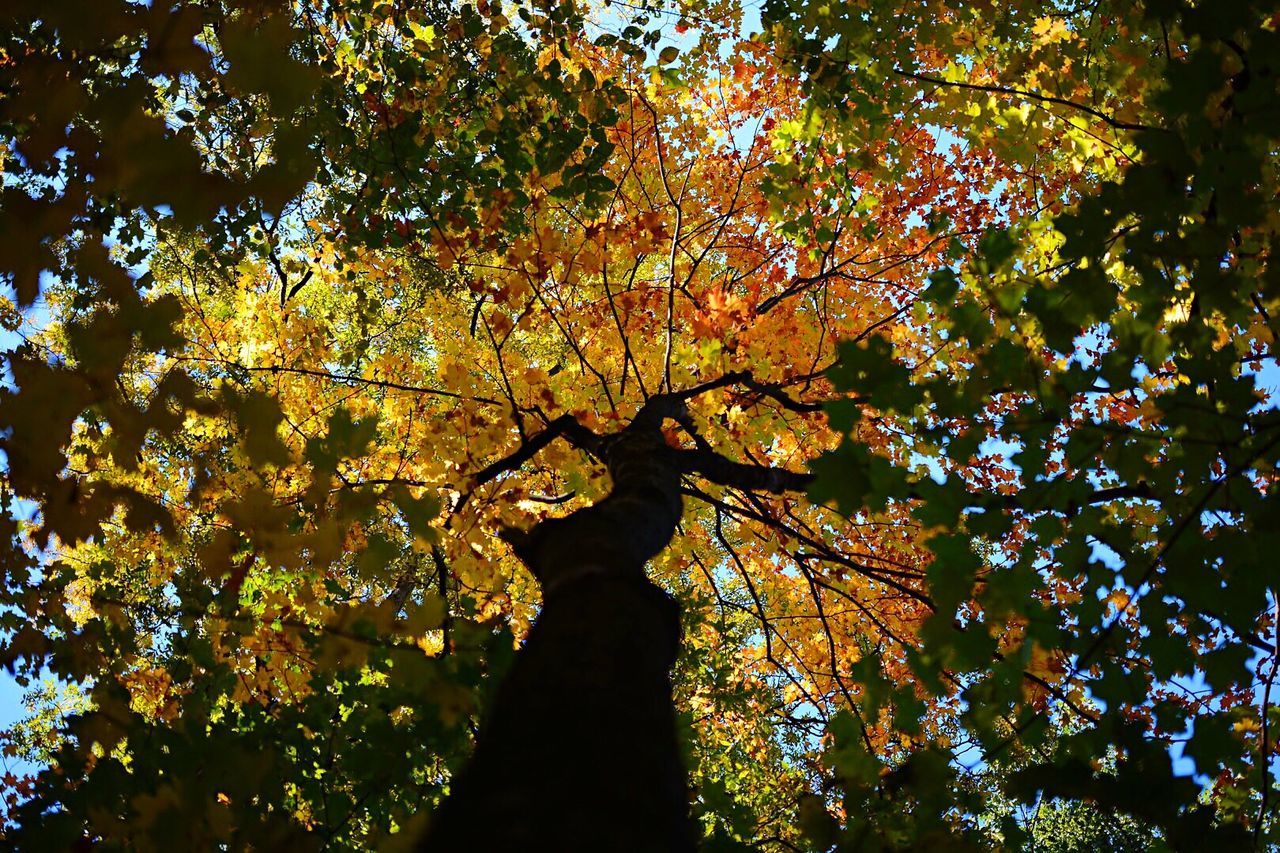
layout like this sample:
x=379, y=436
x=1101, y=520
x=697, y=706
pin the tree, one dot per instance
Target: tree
x=480, y=318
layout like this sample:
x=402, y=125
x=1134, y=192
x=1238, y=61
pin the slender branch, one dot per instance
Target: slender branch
x=345, y=377
x=1033, y=96
x=565, y=425
x=775, y=393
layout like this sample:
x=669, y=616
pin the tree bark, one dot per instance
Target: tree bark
x=579, y=751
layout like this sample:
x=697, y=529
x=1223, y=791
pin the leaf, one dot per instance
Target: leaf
x=426, y=616
x=259, y=417
x=418, y=514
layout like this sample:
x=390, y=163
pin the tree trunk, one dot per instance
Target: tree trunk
x=579, y=751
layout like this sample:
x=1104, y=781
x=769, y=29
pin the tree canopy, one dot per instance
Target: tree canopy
x=956, y=323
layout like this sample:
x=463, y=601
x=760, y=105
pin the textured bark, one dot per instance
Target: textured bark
x=579, y=751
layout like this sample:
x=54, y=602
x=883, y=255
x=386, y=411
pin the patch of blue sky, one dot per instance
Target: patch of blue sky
x=931, y=464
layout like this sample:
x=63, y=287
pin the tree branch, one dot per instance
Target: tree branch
x=740, y=475
x=1033, y=96
x=565, y=425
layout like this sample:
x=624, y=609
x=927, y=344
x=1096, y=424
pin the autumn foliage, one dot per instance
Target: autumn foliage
x=315, y=307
